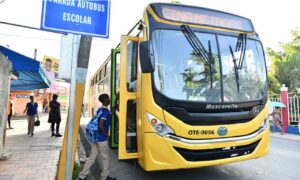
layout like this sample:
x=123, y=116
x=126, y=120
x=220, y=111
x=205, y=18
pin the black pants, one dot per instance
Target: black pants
x=8, y=119
x=57, y=127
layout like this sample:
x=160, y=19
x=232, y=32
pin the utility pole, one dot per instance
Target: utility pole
x=67, y=156
x=35, y=53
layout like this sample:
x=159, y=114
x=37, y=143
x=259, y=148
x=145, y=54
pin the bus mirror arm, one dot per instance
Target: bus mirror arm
x=145, y=60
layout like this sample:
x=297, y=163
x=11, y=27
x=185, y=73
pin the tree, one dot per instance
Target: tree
x=285, y=65
x=202, y=82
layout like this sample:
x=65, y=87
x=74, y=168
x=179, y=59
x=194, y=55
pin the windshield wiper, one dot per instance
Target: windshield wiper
x=236, y=72
x=241, y=46
x=199, y=49
x=196, y=44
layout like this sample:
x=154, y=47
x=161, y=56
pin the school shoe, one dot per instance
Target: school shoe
x=53, y=134
x=58, y=135
x=110, y=178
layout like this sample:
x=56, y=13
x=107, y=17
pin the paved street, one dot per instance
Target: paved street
x=282, y=163
x=36, y=158
x=31, y=157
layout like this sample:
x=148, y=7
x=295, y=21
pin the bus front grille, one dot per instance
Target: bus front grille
x=215, y=154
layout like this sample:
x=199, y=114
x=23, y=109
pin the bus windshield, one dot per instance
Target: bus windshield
x=183, y=75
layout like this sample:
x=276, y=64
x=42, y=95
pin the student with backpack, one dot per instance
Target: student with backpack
x=97, y=133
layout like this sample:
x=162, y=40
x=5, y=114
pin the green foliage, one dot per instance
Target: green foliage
x=274, y=84
x=286, y=65
x=293, y=46
x=176, y=2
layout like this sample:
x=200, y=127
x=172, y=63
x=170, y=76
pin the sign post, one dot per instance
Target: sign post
x=86, y=18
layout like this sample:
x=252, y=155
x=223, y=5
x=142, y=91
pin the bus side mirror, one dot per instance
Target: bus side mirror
x=145, y=59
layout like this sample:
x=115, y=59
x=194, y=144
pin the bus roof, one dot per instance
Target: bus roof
x=201, y=16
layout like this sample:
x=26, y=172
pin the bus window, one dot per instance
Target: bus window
x=108, y=68
x=98, y=77
x=102, y=73
x=105, y=69
x=118, y=57
x=132, y=66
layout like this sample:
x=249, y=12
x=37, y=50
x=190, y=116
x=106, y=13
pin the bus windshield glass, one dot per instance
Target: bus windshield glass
x=183, y=75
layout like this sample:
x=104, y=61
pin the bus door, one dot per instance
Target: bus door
x=115, y=87
x=128, y=148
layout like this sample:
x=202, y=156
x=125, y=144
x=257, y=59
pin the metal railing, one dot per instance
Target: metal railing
x=294, y=109
x=274, y=97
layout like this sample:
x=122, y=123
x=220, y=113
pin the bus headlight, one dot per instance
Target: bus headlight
x=264, y=123
x=161, y=128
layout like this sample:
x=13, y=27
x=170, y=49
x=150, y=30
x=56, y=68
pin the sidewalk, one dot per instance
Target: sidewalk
x=31, y=157
x=286, y=136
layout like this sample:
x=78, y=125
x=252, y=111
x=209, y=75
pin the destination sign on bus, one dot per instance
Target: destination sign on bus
x=202, y=16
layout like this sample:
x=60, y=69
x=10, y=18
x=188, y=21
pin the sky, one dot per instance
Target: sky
x=272, y=20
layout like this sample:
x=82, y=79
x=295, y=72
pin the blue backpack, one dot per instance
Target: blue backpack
x=92, y=128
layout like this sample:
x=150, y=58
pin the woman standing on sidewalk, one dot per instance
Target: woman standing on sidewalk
x=9, y=111
x=54, y=115
x=276, y=114
x=31, y=112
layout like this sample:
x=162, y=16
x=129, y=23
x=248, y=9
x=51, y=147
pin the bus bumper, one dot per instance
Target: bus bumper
x=163, y=153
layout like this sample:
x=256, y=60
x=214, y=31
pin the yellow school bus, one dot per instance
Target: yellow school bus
x=189, y=86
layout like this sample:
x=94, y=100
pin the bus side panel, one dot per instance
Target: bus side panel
x=158, y=155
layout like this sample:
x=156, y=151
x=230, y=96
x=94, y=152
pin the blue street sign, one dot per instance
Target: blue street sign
x=84, y=17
